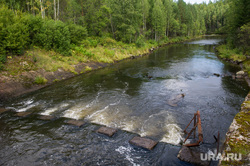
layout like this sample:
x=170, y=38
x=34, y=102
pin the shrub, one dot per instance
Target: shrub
x=87, y=68
x=92, y=42
x=77, y=33
x=55, y=35
x=14, y=34
x=34, y=25
x=140, y=42
x=107, y=41
x=40, y=80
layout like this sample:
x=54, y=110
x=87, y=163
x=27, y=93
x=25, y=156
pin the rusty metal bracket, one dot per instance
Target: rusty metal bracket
x=197, y=123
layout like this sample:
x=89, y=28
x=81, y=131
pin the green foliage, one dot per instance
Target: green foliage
x=140, y=42
x=232, y=54
x=107, y=41
x=82, y=51
x=34, y=25
x=40, y=80
x=55, y=35
x=77, y=33
x=2, y=61
x=13, y=32
x=87, y=68
x=244, y=38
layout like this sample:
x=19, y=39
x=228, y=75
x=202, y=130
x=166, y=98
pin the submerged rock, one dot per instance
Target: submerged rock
x=192, y=156
x=173, y=102
x=216, y=74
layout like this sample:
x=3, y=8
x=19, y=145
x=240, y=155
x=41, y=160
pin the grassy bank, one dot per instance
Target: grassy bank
x=238, y=139
x=104, y=50
x=234, y=55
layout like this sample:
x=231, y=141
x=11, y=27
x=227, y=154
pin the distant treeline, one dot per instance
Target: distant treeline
x=59, y=24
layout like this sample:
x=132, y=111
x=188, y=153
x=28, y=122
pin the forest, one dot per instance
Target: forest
x=77, y=28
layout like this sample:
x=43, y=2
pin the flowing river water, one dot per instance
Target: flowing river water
x=133, y=96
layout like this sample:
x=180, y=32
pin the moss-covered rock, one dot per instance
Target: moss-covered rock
x=238, y=136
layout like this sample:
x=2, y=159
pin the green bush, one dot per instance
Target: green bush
x=77, y=33
x=85, y=43
x=34, y=25
x=140, y=42
x=81, y=50
x=55, y=35
x=2, y=61
x=40, y=80
x=107, y=41
x=14, y=34
x=93, y=42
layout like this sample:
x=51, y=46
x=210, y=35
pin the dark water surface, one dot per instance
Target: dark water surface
x=132, y=96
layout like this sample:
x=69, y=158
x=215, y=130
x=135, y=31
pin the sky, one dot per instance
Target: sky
x=196, y=1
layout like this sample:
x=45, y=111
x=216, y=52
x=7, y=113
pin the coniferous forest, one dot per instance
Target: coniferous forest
x=81, y=28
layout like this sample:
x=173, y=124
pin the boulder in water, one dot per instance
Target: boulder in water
x=192, y=156
x=173, y=102
x=216, y=74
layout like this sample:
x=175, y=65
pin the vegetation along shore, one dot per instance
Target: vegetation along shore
x=43, y=42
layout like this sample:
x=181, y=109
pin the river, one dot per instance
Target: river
x=133, y=96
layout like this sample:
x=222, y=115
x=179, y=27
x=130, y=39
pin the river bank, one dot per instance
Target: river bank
x=238, y=135
x=37, y=68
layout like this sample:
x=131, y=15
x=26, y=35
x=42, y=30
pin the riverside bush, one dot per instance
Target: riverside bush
x=55, y=35
x=14, y=34
x=77, y=33
x=140, y=41
x=19, y=31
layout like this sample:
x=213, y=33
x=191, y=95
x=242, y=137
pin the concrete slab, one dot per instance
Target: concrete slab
x=76, y=122
x=2, y=110
x=46, y=117
x=143, y=142
x=189, y=155
x=107, y=131
x=23, y=114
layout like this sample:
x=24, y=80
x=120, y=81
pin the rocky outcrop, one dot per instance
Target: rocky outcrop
x=238, y=136
x=12, y=86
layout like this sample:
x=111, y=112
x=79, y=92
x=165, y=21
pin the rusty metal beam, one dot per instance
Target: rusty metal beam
x=191, y=132
x=197, y=123
x=199, y=127
x=185, y=131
